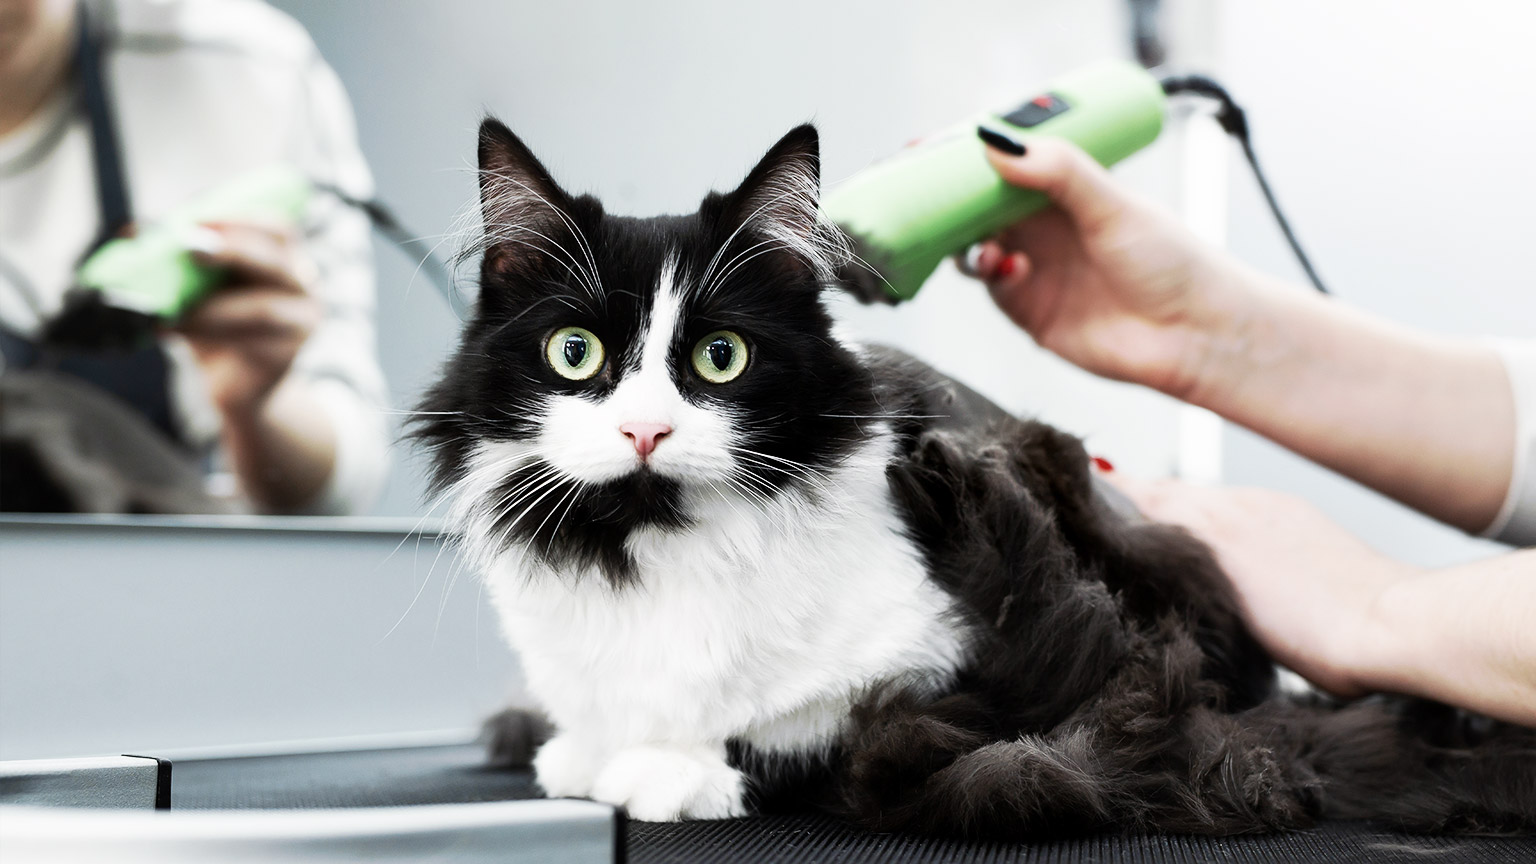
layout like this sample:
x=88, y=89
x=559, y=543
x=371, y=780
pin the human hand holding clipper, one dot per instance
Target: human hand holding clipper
x=908, y=212
x=1116, y=286
x=246, y=332
x=227, y=272
x=1104, y=279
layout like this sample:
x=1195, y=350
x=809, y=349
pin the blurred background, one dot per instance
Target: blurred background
x=1396, y=134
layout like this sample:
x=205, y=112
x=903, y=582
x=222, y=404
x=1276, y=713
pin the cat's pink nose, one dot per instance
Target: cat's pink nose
x=645, y=435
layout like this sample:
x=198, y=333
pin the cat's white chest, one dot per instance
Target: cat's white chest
x=752, y=624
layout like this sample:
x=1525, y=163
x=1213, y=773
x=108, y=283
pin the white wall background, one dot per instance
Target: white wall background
x=1397, y=134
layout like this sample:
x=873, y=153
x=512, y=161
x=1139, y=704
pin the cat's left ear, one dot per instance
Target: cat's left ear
x=781, y=198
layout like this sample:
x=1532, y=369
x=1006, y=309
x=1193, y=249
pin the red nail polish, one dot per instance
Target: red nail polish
x=1102, y=464
x=1005, y=267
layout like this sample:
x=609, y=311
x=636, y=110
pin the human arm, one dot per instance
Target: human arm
x=291, y=376
x=333, y=390
x=245, y=337
x=1113, y=284
x=1352, y=620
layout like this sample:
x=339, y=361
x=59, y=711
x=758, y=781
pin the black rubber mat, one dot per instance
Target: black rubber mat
x=801, y=840
x=438, y=775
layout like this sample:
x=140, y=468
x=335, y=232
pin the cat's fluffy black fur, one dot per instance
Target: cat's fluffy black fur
x=1114, y=685
x=1111, y=683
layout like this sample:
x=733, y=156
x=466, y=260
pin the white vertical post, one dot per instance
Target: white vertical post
x=1203, y=148
x=1193, y=29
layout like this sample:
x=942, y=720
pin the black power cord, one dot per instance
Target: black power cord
x=1235, y=123
x=386, y=223
x=89, y=320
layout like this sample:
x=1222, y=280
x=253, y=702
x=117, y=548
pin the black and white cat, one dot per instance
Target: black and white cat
x=742, y=558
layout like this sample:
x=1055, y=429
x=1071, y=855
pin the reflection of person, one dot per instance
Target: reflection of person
x=1117, y=287
x=278, y=365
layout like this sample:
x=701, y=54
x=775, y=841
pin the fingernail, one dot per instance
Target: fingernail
x=999, y=141
x=1102, y=464
x=1006, y=266
x=971, y=263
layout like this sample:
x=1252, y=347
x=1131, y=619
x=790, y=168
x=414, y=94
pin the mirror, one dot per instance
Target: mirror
x=649, y=107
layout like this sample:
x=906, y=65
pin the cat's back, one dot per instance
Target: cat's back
x=918, y=397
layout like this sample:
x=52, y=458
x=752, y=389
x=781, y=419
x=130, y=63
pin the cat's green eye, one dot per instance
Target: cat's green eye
x=720, y=357
x=574, y=353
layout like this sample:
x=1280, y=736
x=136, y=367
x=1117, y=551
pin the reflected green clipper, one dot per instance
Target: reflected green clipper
x=909, y=212
x=155, y=273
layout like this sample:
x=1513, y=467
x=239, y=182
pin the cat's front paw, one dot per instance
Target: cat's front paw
x=564, y=768
x=662, y=784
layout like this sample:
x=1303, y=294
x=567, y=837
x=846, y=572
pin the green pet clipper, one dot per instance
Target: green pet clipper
x=132, y=284
x=909, y=212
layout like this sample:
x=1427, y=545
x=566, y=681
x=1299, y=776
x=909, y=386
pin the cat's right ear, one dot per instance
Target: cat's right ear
x=519, y=200
x=781, y=198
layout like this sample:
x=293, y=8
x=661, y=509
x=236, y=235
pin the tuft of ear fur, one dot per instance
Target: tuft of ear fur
x=781, y=199
x=521, y=205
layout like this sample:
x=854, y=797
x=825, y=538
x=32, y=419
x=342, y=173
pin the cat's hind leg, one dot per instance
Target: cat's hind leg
x=513, y=735
x=925, y=767
x=932, y=768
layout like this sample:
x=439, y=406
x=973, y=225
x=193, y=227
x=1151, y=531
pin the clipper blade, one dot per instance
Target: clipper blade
x=864, y=274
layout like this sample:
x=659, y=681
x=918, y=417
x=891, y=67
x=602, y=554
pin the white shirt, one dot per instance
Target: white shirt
x=1516, y=522
x=205, y=91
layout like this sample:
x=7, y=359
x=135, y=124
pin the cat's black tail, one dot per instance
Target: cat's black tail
x=1416, y=765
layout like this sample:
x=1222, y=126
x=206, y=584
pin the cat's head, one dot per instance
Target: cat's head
x=620, y=373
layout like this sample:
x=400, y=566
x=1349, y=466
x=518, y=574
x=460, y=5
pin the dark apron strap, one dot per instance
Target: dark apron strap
x=140, y=377
x=106, y=152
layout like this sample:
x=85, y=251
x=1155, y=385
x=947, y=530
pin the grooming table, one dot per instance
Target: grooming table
x=372, y=674
x=417, y=777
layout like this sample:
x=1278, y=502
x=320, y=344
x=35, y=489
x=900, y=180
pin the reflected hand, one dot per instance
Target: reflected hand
x=246, y=334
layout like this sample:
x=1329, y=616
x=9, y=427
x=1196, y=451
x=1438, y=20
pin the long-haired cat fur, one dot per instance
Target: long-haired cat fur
x=746, y=562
